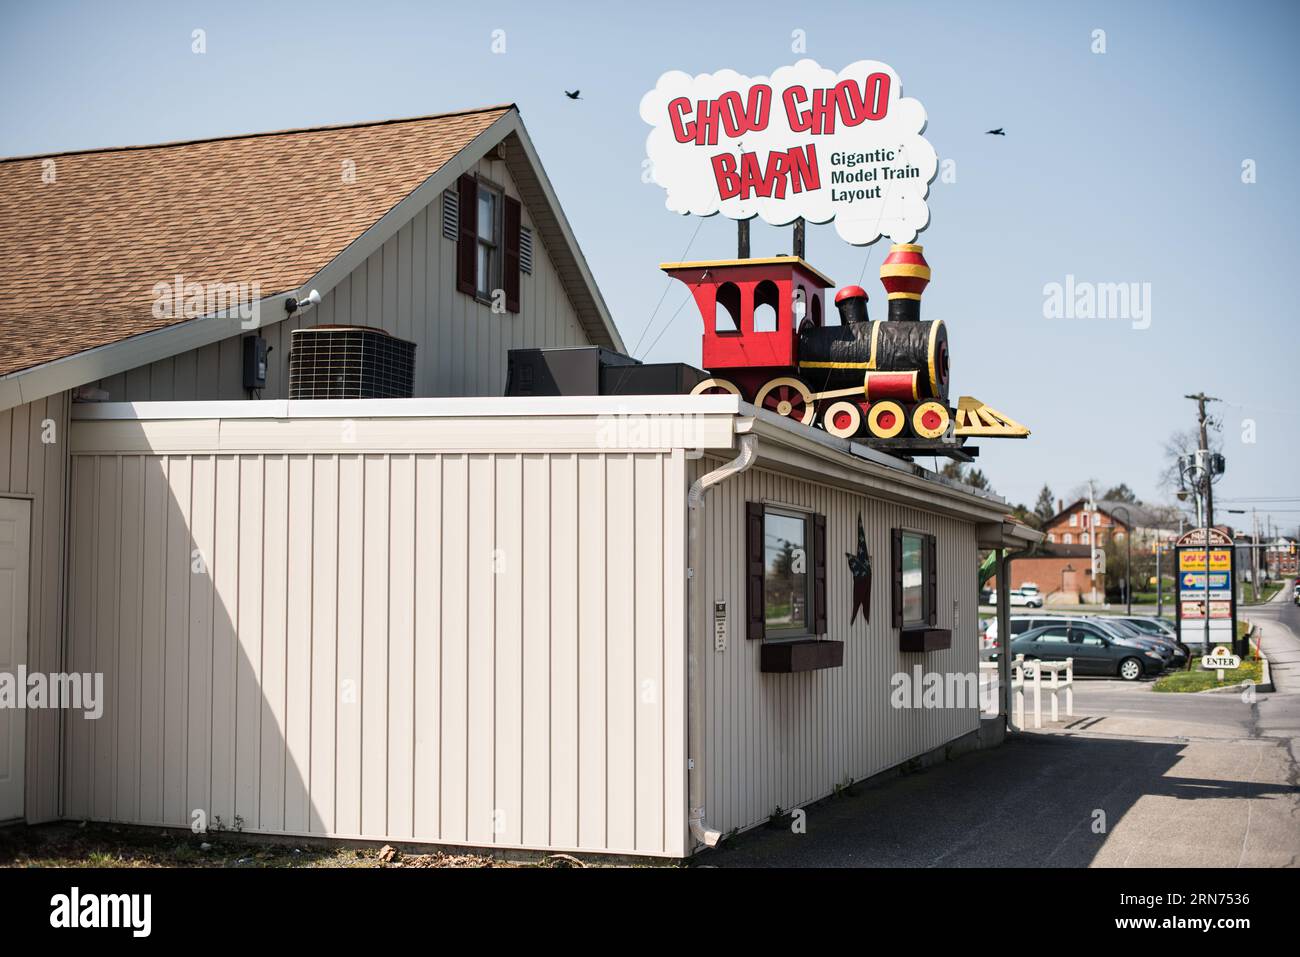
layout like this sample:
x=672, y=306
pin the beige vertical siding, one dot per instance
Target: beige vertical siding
x=456, y=648
x=784, y=740
x=31, y=466
x=408, y=287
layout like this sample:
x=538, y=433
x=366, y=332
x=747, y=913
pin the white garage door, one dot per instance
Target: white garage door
x=15, y=529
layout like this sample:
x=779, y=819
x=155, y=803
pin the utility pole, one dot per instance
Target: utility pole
x=1200, y=398
x=1207, y=476
x=1254, y=553
x=1092, y=538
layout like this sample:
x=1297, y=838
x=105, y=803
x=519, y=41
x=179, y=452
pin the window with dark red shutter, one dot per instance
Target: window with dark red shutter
x=512, y=221
x=896, y=568
x=754, y=552
x=931, y=581
x=467, y=243
x=819, y=574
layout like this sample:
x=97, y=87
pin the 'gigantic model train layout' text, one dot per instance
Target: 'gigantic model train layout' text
x=886, y=381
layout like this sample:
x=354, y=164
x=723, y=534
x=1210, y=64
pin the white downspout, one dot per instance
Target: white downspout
x=706, y=835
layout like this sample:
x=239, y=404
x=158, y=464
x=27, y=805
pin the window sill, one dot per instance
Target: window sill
x=923, y=638
x=803, y=654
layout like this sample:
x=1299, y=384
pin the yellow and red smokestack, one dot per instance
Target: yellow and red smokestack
x=905, y=274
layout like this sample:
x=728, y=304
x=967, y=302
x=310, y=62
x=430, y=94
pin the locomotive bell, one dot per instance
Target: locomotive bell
x=905, y=274
x=851, y=301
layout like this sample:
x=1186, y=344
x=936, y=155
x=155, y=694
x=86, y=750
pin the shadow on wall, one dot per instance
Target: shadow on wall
x=256, y=621
x=208, y=679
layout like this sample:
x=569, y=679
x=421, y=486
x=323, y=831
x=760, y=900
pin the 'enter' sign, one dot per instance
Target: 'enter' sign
x=1220, y=658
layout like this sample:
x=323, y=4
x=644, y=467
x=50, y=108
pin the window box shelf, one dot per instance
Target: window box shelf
x=924, y=639
x=809, y=654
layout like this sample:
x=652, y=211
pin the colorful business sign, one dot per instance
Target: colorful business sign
x=1193, y=559
x=1194, y=609
x=1205, y=587
x=1195, y=581
x=806, y=142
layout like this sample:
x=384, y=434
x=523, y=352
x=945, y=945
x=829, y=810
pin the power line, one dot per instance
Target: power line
x=667, y=286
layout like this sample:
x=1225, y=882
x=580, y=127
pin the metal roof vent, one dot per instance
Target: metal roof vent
x=350, y=362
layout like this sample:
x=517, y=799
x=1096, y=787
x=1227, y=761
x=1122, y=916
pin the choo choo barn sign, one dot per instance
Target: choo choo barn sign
x=805, y=141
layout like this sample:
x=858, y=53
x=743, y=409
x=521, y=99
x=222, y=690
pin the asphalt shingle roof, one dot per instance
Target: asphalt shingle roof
x=80, y=256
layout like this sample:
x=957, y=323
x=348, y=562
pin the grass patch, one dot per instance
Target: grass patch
x=1199, y=679
x=1268, y=591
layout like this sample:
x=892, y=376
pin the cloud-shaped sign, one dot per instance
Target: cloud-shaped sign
x=806, y=141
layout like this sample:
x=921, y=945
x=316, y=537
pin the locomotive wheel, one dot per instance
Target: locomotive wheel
x=930, y=420
x=885, y=419
x=789, y=397
x=716, y=387
x=842, y=419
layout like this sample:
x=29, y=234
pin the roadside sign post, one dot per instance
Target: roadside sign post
x=1220, y=659
x=1204, y=562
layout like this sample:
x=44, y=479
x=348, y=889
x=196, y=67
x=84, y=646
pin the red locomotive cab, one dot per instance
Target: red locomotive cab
x=753, y=310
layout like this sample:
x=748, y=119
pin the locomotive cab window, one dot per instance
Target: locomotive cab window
x=766, y=300
x=726, y=316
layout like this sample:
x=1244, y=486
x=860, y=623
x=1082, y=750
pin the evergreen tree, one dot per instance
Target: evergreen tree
x=1045, y=507
x=1121, y=493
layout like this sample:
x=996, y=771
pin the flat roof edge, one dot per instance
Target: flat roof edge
x=448, y=407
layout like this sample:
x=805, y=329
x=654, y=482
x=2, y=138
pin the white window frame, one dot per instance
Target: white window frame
x=485, y=286
x=806, y=628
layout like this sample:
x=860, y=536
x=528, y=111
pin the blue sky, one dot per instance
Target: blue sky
x=1117, y=167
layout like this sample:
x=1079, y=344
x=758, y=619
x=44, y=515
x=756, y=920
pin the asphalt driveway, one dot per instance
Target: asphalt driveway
x=1204, y=780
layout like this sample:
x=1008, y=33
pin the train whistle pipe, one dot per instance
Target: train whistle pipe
x=700, y=829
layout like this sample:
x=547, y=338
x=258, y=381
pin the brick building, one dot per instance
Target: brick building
x=1062, y=569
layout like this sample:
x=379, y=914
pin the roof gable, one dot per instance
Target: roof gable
x=81, y=257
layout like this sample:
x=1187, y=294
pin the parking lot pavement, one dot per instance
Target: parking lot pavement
x=1181, y=780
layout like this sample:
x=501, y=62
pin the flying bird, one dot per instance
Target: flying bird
x=574, y=95
x=997, y=132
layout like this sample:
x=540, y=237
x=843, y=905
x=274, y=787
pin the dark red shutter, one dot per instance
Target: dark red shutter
x=512, y=220
x=467, y=232
x=931, y=581
x=754, y=569
x=896, y=568
x=819, y=574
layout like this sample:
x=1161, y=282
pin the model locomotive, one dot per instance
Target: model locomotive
x=765, y=340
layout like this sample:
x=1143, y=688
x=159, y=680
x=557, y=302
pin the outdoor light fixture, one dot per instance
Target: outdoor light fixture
x=292, y=305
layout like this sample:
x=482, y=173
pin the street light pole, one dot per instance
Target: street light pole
x=1128, y=556
x=1160, y=583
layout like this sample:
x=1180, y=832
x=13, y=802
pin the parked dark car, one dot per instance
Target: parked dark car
x=1157, y=627
x=1175, y=654
x=1095, y=650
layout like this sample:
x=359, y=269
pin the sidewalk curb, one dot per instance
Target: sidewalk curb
x=1266, y=677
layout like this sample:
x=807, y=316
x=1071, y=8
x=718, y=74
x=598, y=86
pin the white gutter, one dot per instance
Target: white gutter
x=706, y=835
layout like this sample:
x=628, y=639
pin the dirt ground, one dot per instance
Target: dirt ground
x=96, y=845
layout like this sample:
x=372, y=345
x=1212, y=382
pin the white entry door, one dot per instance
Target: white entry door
x=15, y=552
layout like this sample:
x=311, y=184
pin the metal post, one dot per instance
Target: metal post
x=799, y=237
x=1092, y=543
x=1128, y=566
x=1004, y=629
x=1160, y=582
x=742, y=239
